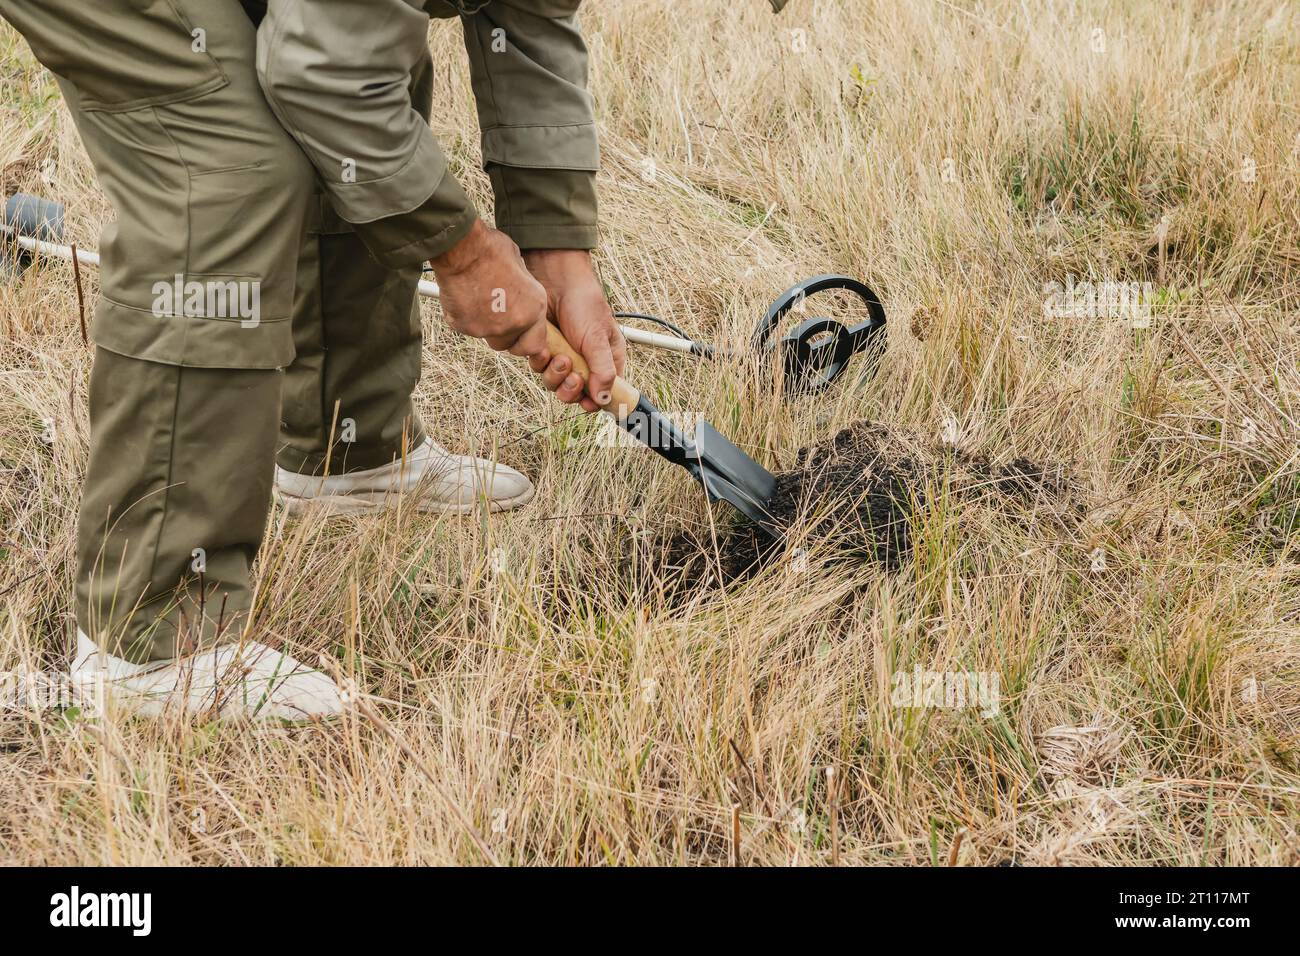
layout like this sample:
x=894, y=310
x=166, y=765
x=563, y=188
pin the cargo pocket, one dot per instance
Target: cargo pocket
x=121, y=55
x=199, y=267
x=229, y=301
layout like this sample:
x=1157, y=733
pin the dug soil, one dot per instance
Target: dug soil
x=857, y=496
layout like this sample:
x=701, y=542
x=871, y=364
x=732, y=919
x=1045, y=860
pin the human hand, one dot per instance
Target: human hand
x=576, y=303
x=487, y=292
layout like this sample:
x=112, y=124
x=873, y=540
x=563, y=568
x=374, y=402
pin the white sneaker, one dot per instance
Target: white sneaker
x=444, y=482
x=250, y=681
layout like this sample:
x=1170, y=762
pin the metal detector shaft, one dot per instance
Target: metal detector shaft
x=84, y=256
x=657, y=340
x=813, y=354
x=87, y=257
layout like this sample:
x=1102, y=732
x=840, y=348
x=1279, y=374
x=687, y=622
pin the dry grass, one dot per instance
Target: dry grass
x=1149, y=711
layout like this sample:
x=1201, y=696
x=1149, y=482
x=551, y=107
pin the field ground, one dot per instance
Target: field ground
x=975, y=163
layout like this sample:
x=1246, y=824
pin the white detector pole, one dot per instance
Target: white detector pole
x=88, y=257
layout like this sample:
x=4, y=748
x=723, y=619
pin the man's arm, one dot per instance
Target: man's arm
x=528, y=65
x=337, y=74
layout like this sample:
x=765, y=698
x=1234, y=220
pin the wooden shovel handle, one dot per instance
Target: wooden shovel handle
x=623, y=397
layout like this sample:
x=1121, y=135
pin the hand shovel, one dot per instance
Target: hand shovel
x=726, y=472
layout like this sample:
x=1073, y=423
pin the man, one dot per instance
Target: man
x=195, y=406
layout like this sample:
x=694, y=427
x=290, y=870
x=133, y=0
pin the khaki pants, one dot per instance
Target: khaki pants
x=236, y=313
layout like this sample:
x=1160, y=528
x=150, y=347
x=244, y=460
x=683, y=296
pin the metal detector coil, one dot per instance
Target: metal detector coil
x=817, y=350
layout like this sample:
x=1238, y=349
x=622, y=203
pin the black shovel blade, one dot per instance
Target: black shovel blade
x=729, y=475
x=726, y=472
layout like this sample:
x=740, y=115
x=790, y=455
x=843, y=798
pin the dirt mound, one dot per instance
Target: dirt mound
x=859, y=493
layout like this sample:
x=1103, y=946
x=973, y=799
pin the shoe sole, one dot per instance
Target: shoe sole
x=372, y=502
